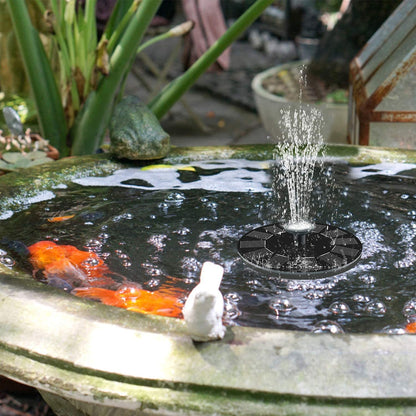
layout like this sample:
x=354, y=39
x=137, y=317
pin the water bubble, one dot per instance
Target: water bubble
x=176, y=198
x=281, y=305
x=409, y=308
x=327, y=326
x=93, y=244
x=158, y=241
x=182, y=231
x=163, y=206
x=339, y=308
x=151, y=269
x=314, y=295
x=7, y=261
x=152, y=283
x=376, y=308
x=232, y=297
x=367, y=279
x=359, y=298
x=91, y=262
x=293, y=286
x=393, y=330
x=190, y=266
x=126, y=263
x=231, y=310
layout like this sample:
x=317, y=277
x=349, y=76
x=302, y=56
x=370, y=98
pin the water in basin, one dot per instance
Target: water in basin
x=153, y=222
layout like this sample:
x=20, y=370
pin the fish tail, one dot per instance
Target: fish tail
x=106, y=296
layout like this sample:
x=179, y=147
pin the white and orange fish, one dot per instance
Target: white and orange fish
x=66, y=265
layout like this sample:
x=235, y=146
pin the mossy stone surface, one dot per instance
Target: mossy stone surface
x=93, y=359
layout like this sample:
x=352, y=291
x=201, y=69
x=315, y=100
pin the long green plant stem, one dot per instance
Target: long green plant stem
x=92, y=120
x=161, y=104
x=45, y=92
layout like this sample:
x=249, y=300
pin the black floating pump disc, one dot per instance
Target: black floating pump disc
x=321, y=251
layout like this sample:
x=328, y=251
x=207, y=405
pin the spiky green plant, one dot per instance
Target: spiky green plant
x=74, y=116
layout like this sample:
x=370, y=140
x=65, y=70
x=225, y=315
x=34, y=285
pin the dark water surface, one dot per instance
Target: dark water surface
x=147, y=224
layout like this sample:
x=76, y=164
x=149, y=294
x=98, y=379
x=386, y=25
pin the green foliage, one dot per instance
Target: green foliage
x=12, y=161
x=76, y=112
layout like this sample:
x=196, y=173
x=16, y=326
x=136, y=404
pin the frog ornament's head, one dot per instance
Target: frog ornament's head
x=136, y=133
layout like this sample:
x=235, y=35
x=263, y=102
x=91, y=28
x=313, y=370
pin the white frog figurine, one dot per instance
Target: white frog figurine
x=204, y=307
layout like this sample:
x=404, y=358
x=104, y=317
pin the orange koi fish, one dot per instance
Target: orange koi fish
x=411, y=328
x=76, y=267
x=63, y=218
x=166, y=301
x=66, y=267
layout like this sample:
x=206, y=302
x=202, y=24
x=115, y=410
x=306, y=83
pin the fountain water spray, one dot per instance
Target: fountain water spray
x=297, y=154
x=300, y=248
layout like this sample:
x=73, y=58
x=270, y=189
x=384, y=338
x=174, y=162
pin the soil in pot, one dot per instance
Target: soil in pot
x=295, y=82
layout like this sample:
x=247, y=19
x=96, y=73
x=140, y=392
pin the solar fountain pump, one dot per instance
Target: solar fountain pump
x=318, y=251
x=299, y=248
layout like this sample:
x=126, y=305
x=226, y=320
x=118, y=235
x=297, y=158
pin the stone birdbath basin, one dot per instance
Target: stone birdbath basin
x=90, y=359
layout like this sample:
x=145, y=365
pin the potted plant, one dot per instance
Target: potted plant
x=74, y=117
x=280, y=86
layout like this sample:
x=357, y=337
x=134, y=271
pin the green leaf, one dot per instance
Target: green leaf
x=22, y=163
x=6, y=167
x=36, y=154
x=92, y=120
x=48, y=101
x=161, y=104
x=39, y=161
x=11, y=157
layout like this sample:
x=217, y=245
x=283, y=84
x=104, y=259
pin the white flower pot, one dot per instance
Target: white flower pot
x=269, y=107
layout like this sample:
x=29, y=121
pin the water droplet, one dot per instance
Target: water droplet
x=409, y=308
x=281, y=305
x=327, y=326
x=376, y=308
x=339, y=308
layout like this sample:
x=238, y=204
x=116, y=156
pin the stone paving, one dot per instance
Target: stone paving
x=222, y=101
